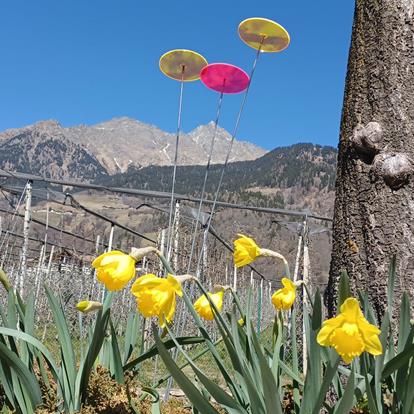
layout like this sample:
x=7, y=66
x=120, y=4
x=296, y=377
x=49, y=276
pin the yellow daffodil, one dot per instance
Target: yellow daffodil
x=87, y=306
x=156, y=296
x=203, y=308
x=245, y=251
x=283, y=298
x=114, y=269
x=350, y=333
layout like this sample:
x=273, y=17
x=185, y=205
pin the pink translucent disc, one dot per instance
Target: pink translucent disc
x=223, y=77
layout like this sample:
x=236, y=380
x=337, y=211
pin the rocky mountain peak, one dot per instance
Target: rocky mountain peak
x=120, y=123
x=48, y=125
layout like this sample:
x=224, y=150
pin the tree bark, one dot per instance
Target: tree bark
x=374, y=205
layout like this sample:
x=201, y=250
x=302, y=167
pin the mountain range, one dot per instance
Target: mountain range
x=86, y=152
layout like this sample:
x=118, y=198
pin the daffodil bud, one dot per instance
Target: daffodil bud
x=4, y=280
x=87, y=306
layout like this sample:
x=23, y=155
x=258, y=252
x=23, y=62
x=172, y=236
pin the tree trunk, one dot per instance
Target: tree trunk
x=374, y=206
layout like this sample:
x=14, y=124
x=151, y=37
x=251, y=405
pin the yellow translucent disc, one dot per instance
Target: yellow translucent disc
x=264, y=34
x=182, y=64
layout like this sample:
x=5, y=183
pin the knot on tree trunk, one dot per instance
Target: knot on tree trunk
x=367, y=139
x=394, y=168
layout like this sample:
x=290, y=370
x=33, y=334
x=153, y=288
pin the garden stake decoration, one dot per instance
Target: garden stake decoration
x=266, y=36
x=184, y=66
x=225, y=79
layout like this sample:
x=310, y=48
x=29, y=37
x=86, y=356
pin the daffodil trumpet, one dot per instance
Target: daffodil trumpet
x=191, y=309
x=247, y=251
x=203, y=304
x=284, y=298
x=156, y=296
x=115, y=269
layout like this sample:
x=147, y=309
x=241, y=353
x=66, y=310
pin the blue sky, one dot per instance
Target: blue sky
x=87, y=61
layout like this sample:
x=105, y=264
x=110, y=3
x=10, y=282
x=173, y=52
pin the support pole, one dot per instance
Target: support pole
x=162, y=249
x=259, y=308
x=111, y=238
x=205, y=255
x=39, y=271
x=298, y=253
x=305, y=298
x=97, y=244
x=176, y=235
x=26, y=229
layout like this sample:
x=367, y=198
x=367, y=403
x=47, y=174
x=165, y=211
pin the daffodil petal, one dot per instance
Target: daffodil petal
x=170, y=309
x=98, y=261
x=144, y=282
x=175, y=284
x=327, y=329
x=370, y=336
